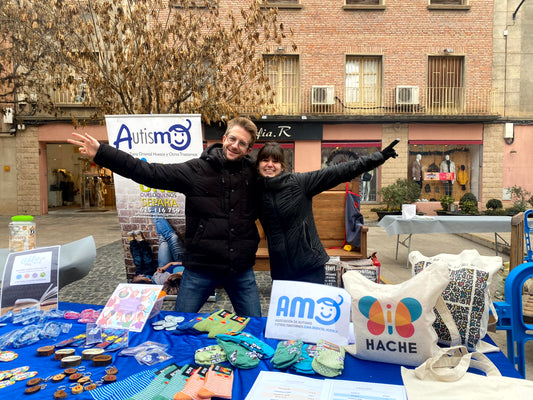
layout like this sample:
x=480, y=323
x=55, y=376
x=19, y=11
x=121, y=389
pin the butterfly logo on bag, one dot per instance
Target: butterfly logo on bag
x=382, y=318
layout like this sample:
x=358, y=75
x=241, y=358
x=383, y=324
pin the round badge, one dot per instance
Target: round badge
x=8, y=356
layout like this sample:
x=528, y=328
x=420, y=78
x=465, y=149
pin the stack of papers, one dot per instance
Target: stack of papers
x=279, y=385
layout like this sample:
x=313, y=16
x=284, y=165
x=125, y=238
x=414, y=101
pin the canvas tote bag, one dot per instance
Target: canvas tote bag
x=444, y=377
x=394, y=323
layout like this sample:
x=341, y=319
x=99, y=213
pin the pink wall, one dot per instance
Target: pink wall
x=307, y=155
x=348, y=132
x=518, y=159
x=62, y=132
x=446, y=132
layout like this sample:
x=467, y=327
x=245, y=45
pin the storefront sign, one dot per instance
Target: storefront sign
x=275, y=131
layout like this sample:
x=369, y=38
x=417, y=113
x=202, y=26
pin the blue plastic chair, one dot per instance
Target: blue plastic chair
x=527, y=231
x=511, y=317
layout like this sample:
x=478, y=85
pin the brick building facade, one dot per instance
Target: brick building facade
x=362, y=75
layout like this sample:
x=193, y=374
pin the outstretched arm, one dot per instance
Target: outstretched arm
x=88, y=145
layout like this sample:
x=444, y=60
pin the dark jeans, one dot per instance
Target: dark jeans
x=142, y=257
x=448, y=188
x=196, y=287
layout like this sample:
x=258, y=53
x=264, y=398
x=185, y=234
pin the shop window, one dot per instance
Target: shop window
x=284, y=77
x=289, y=153
x=445, y=84
x=334, y=153
x=363, y=81
x=437, y=161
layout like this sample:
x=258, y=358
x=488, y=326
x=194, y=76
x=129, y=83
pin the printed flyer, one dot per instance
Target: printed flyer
x=30, y=279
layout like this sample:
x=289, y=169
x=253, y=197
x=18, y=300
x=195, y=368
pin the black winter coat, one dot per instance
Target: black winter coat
x=286, y=214
x=220, y=231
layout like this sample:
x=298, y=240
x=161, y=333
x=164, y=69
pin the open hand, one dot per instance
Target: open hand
x=88, y=145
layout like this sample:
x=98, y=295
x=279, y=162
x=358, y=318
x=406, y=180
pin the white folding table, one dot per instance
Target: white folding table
x=397, y=225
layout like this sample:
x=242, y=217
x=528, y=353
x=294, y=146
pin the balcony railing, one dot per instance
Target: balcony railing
x=331, y=101
x=402, y=100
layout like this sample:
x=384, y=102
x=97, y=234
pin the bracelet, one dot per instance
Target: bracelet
x=71, y=315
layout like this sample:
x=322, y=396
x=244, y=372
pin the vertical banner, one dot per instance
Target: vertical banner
x=165, y=139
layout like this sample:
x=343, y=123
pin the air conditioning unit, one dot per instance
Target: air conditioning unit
x=406, y=95
x=322, y=95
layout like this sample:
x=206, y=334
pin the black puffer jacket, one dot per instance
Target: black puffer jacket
x=286, y=214
x=220, y=232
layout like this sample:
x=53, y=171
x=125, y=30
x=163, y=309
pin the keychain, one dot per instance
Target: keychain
x=85, y=378
x=60, y=393
x=58, y=378
x=34, y=389
x=76, y=388
x=90, y=386
x=111, y=370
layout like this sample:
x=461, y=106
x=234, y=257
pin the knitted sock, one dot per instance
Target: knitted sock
x=304, y=363
x=231, y=323
x=192, y=385
x=250, y=342
x=206, y=324
x=184, y=328
x=329, y=359
x=287, y=353
x=210, y=355
x=175, y=383
x=219, y=383
x=239, y=356
x=156, y=386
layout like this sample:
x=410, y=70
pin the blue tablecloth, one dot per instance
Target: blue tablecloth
x=182, y=348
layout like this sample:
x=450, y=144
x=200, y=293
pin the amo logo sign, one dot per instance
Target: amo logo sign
x=325, y=311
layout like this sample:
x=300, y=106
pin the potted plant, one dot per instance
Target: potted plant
x=468, y=204
x=495, y=207
x=403, y=191
x=445, y=202
x=522, y=200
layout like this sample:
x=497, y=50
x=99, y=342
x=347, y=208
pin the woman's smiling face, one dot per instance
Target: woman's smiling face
x=269, y=167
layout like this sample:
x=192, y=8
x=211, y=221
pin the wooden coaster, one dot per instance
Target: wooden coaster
x=34, y=381
x=45, y=351
x=89, y=354
x=102, y=360
x=61, y=353
x=70, y=361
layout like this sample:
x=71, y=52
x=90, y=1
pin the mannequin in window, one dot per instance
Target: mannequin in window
x=448, y=166
x=366, y=178
x=416, y=170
